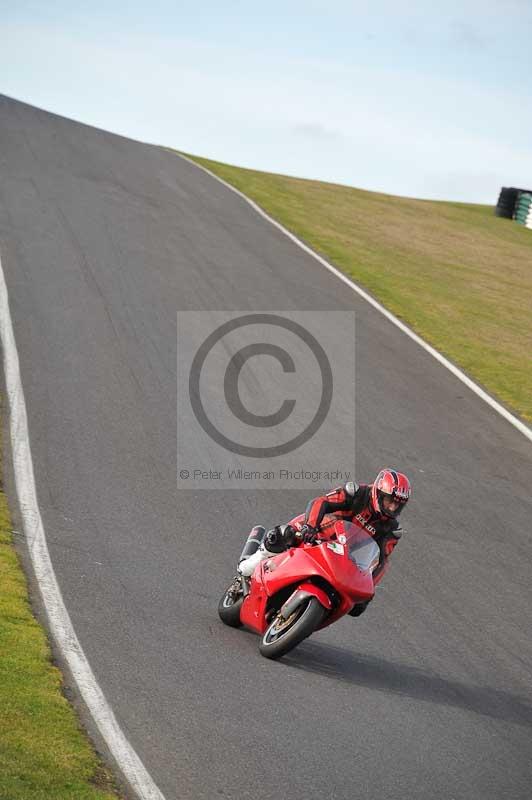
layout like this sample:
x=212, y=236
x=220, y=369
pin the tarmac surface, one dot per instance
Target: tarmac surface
x=428, y=694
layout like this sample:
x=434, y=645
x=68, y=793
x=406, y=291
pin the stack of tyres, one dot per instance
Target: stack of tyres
x=523, y=209
x=506, y=204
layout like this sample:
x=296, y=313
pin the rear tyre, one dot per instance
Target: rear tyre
x=231, y=603
x=283, y=635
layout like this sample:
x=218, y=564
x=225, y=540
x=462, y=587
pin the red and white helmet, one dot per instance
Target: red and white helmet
x=390, y=493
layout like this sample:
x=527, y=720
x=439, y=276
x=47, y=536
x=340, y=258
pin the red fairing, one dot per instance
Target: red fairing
x=320, y=594
x=331, y=571
x=254, y=606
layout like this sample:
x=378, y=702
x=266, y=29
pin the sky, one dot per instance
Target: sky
x=420, y=99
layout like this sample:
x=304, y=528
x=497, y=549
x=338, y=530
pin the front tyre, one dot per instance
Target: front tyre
x=284, y=634
x=231, y=603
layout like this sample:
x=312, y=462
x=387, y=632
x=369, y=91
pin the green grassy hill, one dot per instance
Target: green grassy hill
x=456, y=274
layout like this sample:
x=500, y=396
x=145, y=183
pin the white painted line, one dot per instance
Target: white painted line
x=59, y=620
x=513, y=420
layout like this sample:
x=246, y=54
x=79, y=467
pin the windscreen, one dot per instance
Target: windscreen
x=362, y=549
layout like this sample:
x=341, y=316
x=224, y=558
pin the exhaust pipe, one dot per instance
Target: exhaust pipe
x=253, y=542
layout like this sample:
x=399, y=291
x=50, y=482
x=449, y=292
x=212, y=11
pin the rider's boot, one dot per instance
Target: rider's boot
x=247, y=566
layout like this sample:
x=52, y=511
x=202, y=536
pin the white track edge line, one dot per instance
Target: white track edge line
x=59, y=620
x=513, y=420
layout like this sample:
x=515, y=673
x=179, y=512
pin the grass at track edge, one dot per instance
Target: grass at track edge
x=44, y=753
x=458, y=276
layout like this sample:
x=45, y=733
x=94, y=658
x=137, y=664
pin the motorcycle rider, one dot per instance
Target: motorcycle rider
x=375, y=507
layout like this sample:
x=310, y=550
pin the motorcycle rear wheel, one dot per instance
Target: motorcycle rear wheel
x=283, y=635
x=229, y=607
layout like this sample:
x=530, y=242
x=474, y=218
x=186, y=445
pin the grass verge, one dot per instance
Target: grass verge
x=44, y=754
x=456, y=274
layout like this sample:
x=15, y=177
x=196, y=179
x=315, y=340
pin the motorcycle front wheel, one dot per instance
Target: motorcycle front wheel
x=231, y=603
x=284, y=634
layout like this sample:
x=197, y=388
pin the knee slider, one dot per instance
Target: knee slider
x=279, y=538
x=273, y=541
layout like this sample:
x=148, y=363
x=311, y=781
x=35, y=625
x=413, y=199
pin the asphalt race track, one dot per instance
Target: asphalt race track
x=428, y=695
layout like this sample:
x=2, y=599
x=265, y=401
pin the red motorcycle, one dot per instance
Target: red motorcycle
x=305, y=588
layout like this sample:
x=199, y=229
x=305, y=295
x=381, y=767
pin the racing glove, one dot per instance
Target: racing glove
x=309, y=533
